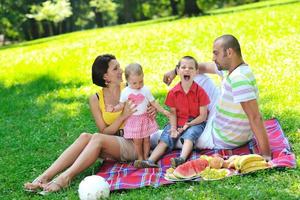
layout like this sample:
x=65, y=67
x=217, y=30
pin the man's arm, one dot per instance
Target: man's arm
x=257, y=126
x=208, y=67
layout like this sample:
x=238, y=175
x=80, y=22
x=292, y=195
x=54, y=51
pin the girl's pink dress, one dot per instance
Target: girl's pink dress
x=139, y=126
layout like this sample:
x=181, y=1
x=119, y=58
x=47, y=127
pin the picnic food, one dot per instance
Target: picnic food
x=191, y=168
x=244, y=159
x=214, y=174
x=253, y=166
x=216, y=162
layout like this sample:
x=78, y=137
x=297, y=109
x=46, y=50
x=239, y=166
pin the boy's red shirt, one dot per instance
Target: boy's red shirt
x=187, y=105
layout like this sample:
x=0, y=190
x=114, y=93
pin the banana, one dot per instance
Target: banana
x=251, y=169
x=248, y=158
x=236, y=162
x=253, y=164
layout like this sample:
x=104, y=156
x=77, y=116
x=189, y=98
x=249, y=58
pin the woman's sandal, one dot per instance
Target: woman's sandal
x=58, y=186
x=35, y=185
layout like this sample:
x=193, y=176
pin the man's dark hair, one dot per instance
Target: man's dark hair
x=229, y=41
x=189, y=58
x=99, y=68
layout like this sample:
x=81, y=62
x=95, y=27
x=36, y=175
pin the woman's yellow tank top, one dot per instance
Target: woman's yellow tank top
x=108, y=117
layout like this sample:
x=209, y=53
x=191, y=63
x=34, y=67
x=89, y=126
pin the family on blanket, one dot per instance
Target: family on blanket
x=199, y=115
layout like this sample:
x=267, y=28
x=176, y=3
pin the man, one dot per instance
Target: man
x=237, y=118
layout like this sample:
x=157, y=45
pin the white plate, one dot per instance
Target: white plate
x=181, y=179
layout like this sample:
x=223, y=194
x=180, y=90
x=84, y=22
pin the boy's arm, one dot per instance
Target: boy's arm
x=173, y=123
x=160, y=108
x=201, y=118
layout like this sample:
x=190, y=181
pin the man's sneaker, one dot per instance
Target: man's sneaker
x=177, y=161
x=144, y=164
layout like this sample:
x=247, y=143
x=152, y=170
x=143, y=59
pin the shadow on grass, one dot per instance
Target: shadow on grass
x=32, y=135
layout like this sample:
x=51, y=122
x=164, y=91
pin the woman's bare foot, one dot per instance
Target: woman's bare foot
x=57, y=184
x=36, y=184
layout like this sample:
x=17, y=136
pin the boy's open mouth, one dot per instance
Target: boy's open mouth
x=186, y=77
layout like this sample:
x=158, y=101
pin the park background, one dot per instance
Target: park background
x=45, y=84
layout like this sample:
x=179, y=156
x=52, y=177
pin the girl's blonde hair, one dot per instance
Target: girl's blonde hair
x=133, y=69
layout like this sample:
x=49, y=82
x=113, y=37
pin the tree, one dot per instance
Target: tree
x=103, y=10
x=174, y=7
x=55, y=12
x=191, y=8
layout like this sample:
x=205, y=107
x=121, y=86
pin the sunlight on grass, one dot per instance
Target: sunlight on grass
x=45, y=85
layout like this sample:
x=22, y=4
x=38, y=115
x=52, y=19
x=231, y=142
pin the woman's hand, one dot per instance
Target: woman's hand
x=129, y=109
x=169, y=76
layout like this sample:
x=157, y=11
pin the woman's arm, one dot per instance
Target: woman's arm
x=114, y=127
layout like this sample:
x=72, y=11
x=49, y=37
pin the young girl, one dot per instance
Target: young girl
x=138, y=126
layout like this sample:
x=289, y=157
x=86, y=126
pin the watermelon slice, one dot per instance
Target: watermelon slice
x=191, y=168
x=199, y=165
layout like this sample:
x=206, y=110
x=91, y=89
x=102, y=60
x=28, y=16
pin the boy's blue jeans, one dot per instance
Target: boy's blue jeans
x=192, y=134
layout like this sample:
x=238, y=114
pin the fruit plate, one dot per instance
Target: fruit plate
x=209, y=177
x=171, y=177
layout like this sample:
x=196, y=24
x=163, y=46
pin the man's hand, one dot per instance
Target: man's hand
x=169, y=76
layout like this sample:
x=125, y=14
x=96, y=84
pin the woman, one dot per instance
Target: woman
x=106, y=73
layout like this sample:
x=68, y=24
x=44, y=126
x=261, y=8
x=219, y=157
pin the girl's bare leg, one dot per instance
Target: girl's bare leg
x=138, y=145
x=99, y=143
x=146, y=147
x=62, y=162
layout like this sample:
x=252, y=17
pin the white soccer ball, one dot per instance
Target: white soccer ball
x=93, y=188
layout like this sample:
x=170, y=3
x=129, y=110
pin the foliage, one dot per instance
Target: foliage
x=55, y=11
x=45, y=85
x=75, y=15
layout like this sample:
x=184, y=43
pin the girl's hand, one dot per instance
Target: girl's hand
x=109, y=108
x=151, y=111
x=129, y=109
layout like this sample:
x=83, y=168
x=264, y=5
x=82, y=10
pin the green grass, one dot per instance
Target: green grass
x=45, y=85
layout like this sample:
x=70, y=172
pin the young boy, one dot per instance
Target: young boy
x=188, y=104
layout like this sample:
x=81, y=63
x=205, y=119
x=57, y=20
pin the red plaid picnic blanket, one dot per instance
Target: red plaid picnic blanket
x=125, y=176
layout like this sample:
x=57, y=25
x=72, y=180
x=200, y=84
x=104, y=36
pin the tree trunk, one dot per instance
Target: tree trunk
x=50, y=28
x=173, y=4
x=99, y=19
x=128, y=16
x=191, y=8
x=3, y=39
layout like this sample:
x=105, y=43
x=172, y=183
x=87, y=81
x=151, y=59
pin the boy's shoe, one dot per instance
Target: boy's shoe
x=144, y=164
x=177, y=161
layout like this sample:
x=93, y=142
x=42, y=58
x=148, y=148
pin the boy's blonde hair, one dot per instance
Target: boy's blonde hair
x=133, y=68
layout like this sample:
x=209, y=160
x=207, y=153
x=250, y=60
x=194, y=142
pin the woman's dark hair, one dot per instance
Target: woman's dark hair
x=99, y=68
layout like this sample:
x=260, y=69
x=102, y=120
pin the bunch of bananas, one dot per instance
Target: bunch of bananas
x=249, y=163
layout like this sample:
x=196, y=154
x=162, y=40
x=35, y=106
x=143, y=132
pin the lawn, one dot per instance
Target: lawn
x=45, y=85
